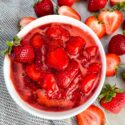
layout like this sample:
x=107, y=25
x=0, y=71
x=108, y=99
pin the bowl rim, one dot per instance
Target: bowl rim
x=49, y=114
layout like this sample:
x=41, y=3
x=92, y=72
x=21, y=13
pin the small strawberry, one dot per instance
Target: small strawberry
x=117, y=41
x=74, y=45
x=57, y=59
x=37, y=41
x=25, y=21
x=23, y=54
x=113, y=61
x=114, y=2
x=87, y=83
x=57, y=32
x=95, y=5
x=94, y=68
x=68, y=11
x=43, y=7
x=45, y=101
x=33, y=72
x=66, y=2
x=97, y=26
x=67, y=76
x=91, y=116
x=112, y=20
x=112, y=98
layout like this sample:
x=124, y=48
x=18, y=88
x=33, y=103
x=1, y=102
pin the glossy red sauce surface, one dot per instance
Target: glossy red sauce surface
x=65, y=72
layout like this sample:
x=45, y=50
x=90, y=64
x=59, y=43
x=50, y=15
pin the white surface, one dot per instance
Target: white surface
x=53, y=115
x=118, y=119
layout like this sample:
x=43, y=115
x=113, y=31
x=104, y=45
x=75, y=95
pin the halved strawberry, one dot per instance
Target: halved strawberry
x=91, y=116
x=33, y=72
x=57, y=32
x=68, y=11
x=97, y=26
x=94, y=68
x=87, y=83
x=26, y=20
x=57, y=59
x=113, y=2
x=113, y=61
x=45, y=101
x=75, y=44
x=112, y=20
x=37, y=41
x=66, y=77
x=23, y=54
x=92, y=50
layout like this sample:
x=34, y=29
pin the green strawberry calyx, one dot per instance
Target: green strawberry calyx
x=108, y=92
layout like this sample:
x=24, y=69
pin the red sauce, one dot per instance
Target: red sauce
x=62, y=85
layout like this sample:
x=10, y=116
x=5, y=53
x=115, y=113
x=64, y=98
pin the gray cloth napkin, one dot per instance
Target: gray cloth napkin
x=11, y=11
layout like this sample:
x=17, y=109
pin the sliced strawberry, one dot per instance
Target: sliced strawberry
x=74, y=45
x=97, y=26
x=65, y=77
x=23, y=54
x=91, y=51
x=111, y=19
x=43, y=100
x=54, y=44
x=113, y=62
x=25, y=21
x=112, y=98
x=91, y=116
x=88, y=83
x=68, y=11
x=57, y=59
x=33, y=72
x=94, y=68
x=57, y=32
x=113, y=2
x=37, y=41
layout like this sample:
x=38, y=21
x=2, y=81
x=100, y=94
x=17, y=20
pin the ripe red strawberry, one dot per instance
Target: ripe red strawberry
x=33, y=72
x=111, y=19
x=66, y=77
x=117, y=41
x=23, y=54
x=45, y=101
x=57, y=32
x=37, y=41
x=113, y=2
x=95, y=5
x=54, y=44
x=91, y=116
x=68, y=11
x=87, y=83
x=43, y=8
x=112, y=98
x=75, y=44
x=94, y=68
x=57, y=59
x=25, y=21
x=97, y=26
x=92, y=50
x=66, y=2
x=113, y=61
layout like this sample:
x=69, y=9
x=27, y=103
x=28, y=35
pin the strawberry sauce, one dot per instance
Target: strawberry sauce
x=64, y=72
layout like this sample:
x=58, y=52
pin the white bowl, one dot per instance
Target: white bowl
x=47, y=114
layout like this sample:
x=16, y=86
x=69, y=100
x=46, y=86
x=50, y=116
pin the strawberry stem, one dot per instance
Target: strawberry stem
x=119, y=6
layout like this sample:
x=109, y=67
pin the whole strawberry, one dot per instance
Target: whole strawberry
x=23, y=54
x=112, y=98
x=66, y=2
x=43, y=7
x=95, y=5
x=117, y=41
